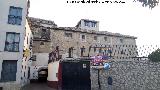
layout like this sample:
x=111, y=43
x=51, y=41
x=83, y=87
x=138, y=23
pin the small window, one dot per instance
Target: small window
x=33, y=58
x=12, y=42
x=43, y=30
x=122, y=52
x=82, y=51
x=24, y=74
x=87, y=23
x=57, y=75
x=15, y=15
x=100, y=50
x=31, y=41
x=45, y=34
x=42, y=43
x=121, y=40
x=105, y=38
x=94, y=24
x=68, y=34
x=95, y=38
x=27, y=40
x=94, y=49
x=83, y=37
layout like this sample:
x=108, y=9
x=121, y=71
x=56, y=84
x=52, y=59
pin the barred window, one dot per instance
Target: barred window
x=68, y=34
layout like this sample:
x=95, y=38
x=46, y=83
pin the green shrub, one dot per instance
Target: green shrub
x=155, y=56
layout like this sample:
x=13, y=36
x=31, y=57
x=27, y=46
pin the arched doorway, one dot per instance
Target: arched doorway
x=42, y=74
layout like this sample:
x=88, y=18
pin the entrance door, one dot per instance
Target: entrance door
x=9, y=70
x=76, y=75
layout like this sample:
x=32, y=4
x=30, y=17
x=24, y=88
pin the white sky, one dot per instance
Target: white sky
x=129, y=18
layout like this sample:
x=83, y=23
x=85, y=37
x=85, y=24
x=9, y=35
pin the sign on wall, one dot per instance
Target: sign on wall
x=102, y=57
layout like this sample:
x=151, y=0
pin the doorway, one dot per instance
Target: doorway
x=76, y=75
x=42, y=75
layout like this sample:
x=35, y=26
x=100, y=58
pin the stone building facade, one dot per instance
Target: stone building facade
x=83, y=40
x=47, y=35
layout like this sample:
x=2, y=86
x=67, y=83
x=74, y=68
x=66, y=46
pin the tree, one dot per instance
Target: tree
x=150, y=3
x=155, y=56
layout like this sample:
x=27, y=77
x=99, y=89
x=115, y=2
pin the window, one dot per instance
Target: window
x=15, y=15
x=87, y=23
x=70, y=53
x=82, y=51
x=95, y=38
x=94, y=24
x=100, y=50
x=44, y=30
x=28, y=72
x=41, y=43
x=33, y=58
x=68, y=34
x=12, y=42
x=31, y=42
x=94, y=49
x=27, y=40
x=122, y=52
x=24, y=74
x=121, y=40
x=43, y=34
x=83, y=37
x=105, y=38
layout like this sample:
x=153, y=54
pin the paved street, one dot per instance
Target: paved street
x=37, y=86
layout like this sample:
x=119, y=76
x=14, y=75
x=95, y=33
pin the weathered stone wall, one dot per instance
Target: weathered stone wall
x=47, y=35
x=10, y=86
x=58, y=38
x=129, y=75
x=42, y=47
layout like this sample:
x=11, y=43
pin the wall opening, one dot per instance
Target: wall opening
x=42, y=75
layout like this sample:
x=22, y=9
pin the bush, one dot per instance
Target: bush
x=154, y=56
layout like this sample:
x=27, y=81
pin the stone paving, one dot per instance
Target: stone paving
x=37, y=86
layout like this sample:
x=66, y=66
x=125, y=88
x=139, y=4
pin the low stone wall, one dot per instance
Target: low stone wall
x=129, y=75
x=10, y=86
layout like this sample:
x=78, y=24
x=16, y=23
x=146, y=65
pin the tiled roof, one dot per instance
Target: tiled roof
x=39, y=22
x=75, y=29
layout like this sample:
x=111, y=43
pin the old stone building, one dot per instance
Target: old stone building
x=47, y=35
x=83, y=40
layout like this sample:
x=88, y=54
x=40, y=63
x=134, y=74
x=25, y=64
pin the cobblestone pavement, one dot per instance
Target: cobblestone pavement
x=37, y=86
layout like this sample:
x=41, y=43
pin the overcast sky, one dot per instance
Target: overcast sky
x=129, y=18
